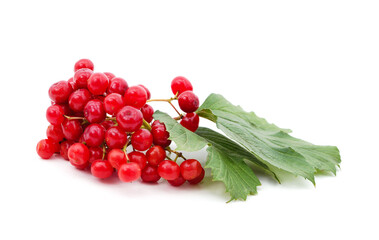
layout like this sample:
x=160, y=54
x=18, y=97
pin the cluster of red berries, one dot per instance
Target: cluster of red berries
x=96, y=117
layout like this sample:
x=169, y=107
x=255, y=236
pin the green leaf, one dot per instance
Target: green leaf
x=185, y=140
x=270, y=144
x=233, y=150
x=225, y=157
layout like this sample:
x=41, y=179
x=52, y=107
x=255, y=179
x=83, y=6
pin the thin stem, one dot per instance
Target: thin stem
x=146, y=125
x=176, y=110
x=169, y=102
x=74, y=118
x=178, y=154
x=103, y=151
x=124, y=150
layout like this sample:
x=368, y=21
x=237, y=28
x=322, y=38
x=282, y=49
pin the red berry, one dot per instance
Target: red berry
x=78, y=154
x=116, y=158
x=45, y=148
x=95, y=153
x=177, y=182
x=72, y=129
x=98, y=83
x=147, y=112
x=66, y=109
x=135, y=96
x=160, y=135
x=107, y=124
x=55, y=133
x=64, y=148
x=129, y=172
x=147, y=91
x=129, y=118
x=142, y=139
x=80, y=167
x=115, y=137
x=190, y=121
x=155, y=155
x=94, y=111
x=72, y=84
x=93, y=135
x=190, y=169
x=78, y=99
x=101, y=169
x=198, y=178
x=188, y=102
x=60, y=91
x=117, y=85
x=83, y=63
x=180, y=85
x=55, y=114
x=150, y=174
x=81, y=77
x=109, y=75
x=169, y=170
x=138, y=158
x=113, y=103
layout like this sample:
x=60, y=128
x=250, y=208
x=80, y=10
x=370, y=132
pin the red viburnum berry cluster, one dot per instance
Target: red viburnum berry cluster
x=94, y=117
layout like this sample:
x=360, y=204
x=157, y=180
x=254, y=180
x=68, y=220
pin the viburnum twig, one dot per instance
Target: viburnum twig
x=178, y=154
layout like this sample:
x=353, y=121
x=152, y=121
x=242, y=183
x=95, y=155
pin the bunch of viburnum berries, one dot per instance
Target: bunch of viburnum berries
x=94, y=118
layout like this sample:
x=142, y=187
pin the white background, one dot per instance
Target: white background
x=311, y=66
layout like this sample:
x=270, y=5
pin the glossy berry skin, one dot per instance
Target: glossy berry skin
x=147, y=91
x=190, y=121
x=135, y=96
x=72, y=84
x=45, y=148
x=101, y=169
x=83, y=63
x=188, y=102
x=94, y=111
x=95, y=153
x=190, y=169
x=169, y=170
x=155, y=155
x=129, y=118
x=60, y=91
x=160, y=135
x=107, y=124
x=129, y=172
x=147, y=112
x=116, y=158
x=115, y=137
x=78, y=154
x=81, y=77
x=117, y=85
x=142, y=139
x=198, y=179
x=150, y=174
x=94, y=135
x=138, y=158
x=80, y=167
x=109, y=75
x=54, y=115
x=113, y=103
x=180, y=85
x=72, y=129
x=64, y=148
x=55, y=133
x=98, y=83
x=177, y=182
x=66, y=109
x=78, y=99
